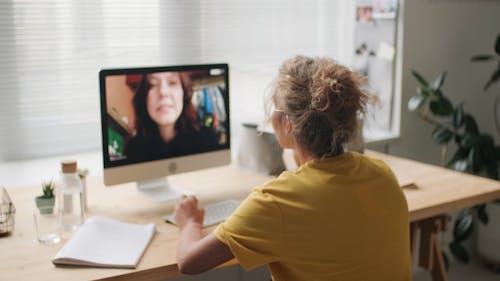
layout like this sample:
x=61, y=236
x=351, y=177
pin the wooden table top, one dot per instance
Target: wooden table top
x=435, y=191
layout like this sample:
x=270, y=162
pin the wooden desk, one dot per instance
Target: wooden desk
x=437, y=192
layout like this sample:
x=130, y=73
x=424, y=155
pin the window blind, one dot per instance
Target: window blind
x=52, y=51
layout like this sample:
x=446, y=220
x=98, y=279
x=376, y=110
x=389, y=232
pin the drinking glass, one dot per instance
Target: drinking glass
x=47, y=225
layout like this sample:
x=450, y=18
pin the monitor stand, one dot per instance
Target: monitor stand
x=160, y=189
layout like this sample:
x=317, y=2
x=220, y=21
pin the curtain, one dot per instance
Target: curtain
x=52, y=51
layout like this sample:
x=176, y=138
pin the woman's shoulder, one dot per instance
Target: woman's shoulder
x=281, y=183
x=344, y=163
x=375, y=163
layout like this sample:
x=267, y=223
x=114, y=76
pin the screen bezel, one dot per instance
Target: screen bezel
x=107, y=163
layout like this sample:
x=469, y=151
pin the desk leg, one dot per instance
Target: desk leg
x=430, y=256
x=413, y=235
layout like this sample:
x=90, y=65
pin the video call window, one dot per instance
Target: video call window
x=165, y=114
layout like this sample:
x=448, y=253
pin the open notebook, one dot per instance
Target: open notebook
x=104, y=242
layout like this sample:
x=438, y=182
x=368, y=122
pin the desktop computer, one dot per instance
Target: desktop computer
x=159, y=121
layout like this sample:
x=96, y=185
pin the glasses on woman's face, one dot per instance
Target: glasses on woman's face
x=275, y=116
x=278, y=112
x=274, y=109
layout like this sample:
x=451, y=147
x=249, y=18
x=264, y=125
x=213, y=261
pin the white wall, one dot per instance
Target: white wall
x=442, y=35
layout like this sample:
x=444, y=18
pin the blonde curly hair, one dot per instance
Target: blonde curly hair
x=322, y=100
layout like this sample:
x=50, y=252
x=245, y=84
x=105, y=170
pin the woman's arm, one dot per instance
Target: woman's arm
x=195, y=253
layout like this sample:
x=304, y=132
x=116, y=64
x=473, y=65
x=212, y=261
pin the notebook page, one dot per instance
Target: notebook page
x=104, y=241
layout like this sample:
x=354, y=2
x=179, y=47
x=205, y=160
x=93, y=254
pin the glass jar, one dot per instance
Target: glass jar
x=70, y=192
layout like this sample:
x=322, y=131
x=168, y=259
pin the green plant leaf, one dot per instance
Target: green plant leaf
x=487, y=140
x=492, y=169
x=494, y=78
x=423, y=92
x=460, y=165
x=474, y=160
x=441, y=106
x=438, y=93
x=416, y=102
x=481, y=214
x=487, y=147
x=459, y=252
x=438, y=83
x=420, y=79
x=442, y=135
x=458, y=116
x=488, y=155
x=497, y=45
x=463, y=226
x=482, y=58
x=470, y=124
x=47, y=189
x=83, y=173
x=460, y=154
x=469, y=139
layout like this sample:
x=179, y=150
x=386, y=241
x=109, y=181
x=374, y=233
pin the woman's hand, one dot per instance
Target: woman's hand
x=195, y=253
x=188, y=210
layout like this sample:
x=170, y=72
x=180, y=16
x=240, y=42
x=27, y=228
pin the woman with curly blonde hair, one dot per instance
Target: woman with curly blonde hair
x=340, y=216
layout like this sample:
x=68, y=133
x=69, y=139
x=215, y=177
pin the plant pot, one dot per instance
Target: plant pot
x=84, y=192
x=45, y=202
x=488, y=241
x=259, y=151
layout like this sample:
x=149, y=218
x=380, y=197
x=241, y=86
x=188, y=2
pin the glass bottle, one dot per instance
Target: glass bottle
x=71, y=212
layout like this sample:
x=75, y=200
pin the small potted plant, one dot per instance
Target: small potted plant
x=47, y=199
x=83, y=173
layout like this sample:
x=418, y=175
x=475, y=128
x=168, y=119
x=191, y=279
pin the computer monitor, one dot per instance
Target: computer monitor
x=159, y=121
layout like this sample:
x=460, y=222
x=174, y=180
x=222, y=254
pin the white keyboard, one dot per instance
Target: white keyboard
x=214, y=213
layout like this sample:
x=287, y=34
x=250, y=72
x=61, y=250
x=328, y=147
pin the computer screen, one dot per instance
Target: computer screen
x=158, y=121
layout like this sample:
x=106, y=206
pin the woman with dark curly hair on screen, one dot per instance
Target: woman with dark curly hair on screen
x=167, y=124
x=340, y=216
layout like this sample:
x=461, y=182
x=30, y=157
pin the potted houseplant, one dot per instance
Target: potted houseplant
x=488, y=242
x=475, y=152
x=495, y=77
x=47, y=199
x=83, y=173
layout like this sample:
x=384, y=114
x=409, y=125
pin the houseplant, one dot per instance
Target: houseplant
x=47, y=199
x=495, y=77
x=474, y=152
x=83, y=173
x=488, y=242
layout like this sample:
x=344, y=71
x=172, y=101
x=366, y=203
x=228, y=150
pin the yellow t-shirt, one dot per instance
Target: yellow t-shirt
x=341, y=218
